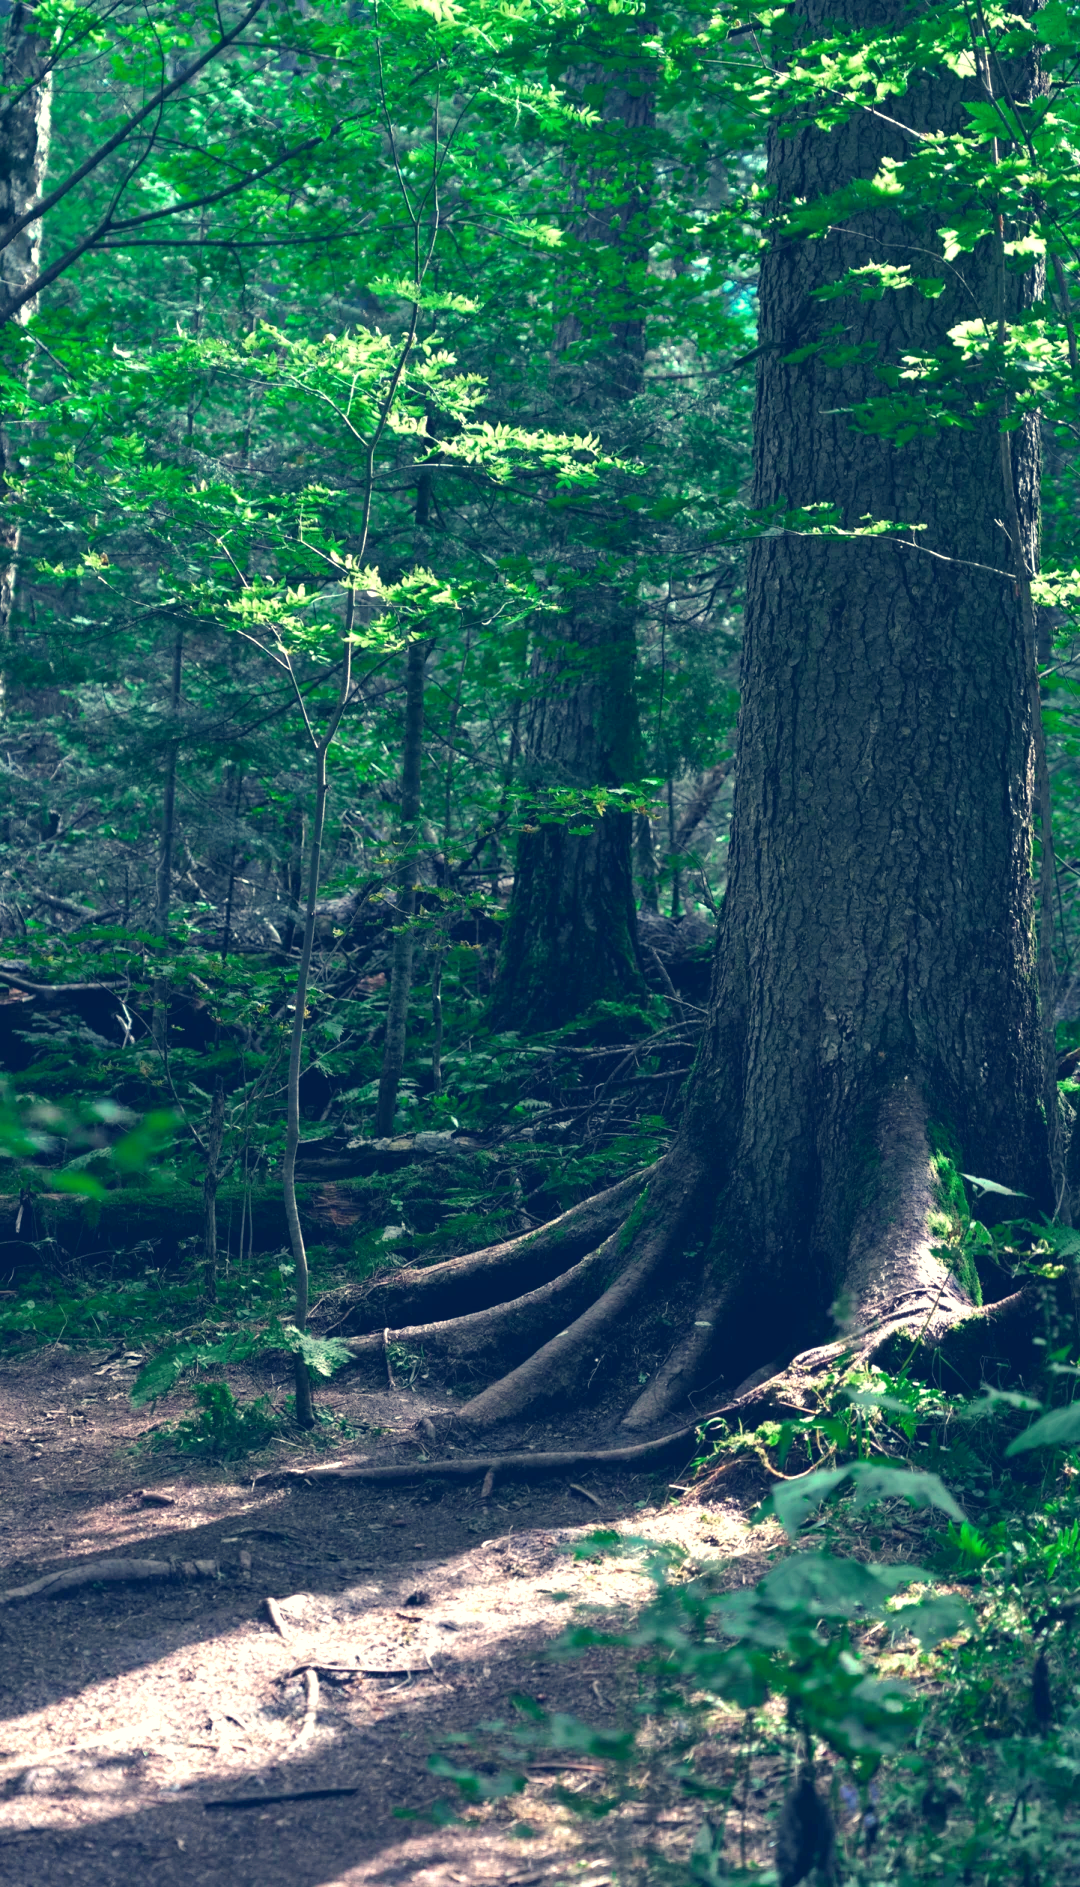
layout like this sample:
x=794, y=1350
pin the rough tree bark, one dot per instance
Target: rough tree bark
x=875, y=988
x=571, y=935
x=25, y=128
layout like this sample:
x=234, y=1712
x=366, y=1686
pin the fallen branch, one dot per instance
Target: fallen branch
x=112, y=1572
x=294, y=1795
x=311, y=1705
x=274, y=1613
x=576, y=1488
x=56, y=992
x=71, y=909
x=341, y=1672
x=473, y=1467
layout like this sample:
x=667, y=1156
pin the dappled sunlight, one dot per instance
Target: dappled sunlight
x=126, y=1710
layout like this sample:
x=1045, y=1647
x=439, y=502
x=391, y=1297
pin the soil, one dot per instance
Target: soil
x=150, y=1732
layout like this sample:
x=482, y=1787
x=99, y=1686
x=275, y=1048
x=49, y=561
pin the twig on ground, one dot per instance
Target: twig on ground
x=111, y=1572
x=293, y=1795
x=311, y=1708
x=435, y=1674
x=343, y=1671
x=277, y=1620
x=576, y=1488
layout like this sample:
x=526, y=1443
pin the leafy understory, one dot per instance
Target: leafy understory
x=896, y=1700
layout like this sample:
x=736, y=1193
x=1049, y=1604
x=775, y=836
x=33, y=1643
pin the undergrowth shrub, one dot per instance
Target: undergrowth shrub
x=223, y=1429
x=882, y=1721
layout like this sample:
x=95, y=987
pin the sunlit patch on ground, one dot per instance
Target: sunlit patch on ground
x=127, y=1709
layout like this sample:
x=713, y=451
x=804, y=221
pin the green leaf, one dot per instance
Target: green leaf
x=164, y=1371
x=793, y=1502
x=322, y=1354
x=933, y=1619
x=991, y=1185
x=1059, y=1429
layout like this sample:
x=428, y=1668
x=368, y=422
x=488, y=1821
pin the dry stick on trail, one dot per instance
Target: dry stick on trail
x=110, y=1572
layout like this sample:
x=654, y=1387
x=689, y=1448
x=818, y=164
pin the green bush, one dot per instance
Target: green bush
x=224, y=1429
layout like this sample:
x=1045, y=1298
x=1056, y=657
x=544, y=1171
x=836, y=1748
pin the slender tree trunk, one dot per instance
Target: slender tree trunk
x=226, y=931
x=163, y=894
x=24, y=157
x=571, y=935
x=305, y=1413
x=646, y=862
x=401, y=970
x=214, y=1138
x=294, y=874
x=168, y=797
x=437, y=956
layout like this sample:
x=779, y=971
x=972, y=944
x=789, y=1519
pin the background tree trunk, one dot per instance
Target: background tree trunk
x=215, y=1135
x=397, y=1013
x=571, y=936
x=24, y=156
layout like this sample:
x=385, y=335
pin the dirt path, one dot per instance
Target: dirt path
x=127, y=1712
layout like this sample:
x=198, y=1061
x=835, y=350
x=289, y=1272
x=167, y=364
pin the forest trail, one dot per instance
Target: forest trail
x=129, y=1709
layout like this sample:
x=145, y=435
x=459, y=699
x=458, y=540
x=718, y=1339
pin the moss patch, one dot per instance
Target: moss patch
x=951, y=1219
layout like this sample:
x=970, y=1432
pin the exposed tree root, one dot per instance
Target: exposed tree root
x=553, y=1373
x=291, y=1795
x=481, y=1279
x=901, y=1305
x=960, y=1356
x=683, y=1368
x=507, y=1330
x=111, y=1572
x=478, y=1467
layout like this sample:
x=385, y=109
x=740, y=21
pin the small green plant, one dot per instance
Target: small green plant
x=928, y=1734
x=224, y=1429
x=321, y=1354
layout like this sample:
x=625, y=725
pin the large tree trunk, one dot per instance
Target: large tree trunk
x=24, y=154
x=875, y=990
x=571, y=935
x=875, y=994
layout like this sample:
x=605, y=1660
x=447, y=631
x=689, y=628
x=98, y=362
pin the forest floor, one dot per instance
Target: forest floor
x=154, y=1732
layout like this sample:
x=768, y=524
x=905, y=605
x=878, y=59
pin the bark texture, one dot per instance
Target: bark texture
x=571, y=935
x=876, y=971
